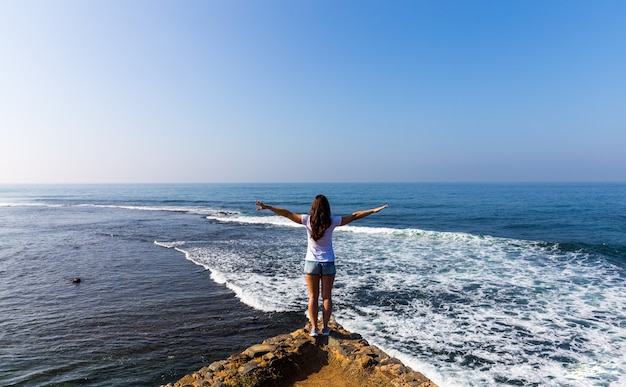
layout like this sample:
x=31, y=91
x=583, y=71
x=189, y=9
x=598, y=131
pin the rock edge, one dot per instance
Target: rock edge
x=286, y=359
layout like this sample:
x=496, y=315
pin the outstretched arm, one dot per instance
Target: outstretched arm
x=360, y=214
x=280, y=211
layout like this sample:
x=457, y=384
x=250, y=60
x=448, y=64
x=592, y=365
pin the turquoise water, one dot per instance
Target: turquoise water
x=472, y=284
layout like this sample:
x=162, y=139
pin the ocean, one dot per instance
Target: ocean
x=470, y=284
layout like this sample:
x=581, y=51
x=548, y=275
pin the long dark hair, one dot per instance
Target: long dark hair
x=320, y=217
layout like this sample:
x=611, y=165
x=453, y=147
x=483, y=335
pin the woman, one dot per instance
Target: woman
x=320, y=258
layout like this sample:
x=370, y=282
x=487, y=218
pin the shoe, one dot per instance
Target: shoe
x=326, y=331
x=314, y=332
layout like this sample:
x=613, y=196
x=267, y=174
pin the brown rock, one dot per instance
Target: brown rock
x=248, y=367
x=269, y=357
x=343, y=359
x=218, y=365
x=366, y=361
x=259, y=350
x=239, y=357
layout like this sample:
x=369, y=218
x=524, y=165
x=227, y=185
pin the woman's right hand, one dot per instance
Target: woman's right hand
x=377, y=209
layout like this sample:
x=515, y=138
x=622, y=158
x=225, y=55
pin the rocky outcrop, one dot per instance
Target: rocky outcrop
x=289, y=359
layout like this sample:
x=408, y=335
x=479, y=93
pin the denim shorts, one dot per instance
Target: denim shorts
x=319, y=268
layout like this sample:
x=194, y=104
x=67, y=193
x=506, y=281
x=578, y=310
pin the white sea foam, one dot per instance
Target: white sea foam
x=254, y=289
x=23, y=204
x=503, y=302
x=213, y=213
x=466, y=310
x=169, y=245
x=260, y=220
x=273, y=220
x=183, y=209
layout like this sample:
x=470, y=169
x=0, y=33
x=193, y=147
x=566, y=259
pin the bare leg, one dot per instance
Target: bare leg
x=327, y=287
x=313, y=282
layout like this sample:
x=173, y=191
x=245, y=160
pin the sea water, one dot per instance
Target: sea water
x=471, y=284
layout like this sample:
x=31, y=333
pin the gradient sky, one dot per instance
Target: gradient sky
x=312, y=91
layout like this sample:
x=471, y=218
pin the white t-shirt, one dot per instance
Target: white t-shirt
x=322, y=249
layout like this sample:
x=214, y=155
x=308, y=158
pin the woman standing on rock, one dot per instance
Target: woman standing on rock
x=319, y=263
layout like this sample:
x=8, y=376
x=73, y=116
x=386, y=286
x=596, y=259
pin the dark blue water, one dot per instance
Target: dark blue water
x=472, y=284
x=142, y=315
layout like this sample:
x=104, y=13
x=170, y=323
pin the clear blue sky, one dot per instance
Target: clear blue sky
x=312, y=91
